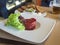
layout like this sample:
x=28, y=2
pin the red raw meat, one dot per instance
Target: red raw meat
x=30, y=24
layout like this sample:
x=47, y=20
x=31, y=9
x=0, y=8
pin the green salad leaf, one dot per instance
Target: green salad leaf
x=30, y=10
x=14, y=21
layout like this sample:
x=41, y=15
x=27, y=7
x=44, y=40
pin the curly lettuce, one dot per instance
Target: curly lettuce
x=14, y=21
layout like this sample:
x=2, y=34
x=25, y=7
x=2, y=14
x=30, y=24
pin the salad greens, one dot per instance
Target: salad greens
x=14, y=21
x=30, y=10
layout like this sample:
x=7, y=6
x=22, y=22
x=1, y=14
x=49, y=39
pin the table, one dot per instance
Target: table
x=54, y=38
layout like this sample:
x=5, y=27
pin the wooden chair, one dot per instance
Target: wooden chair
x=38, y=2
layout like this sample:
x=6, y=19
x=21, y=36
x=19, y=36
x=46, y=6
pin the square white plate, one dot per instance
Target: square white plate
x=40, y=34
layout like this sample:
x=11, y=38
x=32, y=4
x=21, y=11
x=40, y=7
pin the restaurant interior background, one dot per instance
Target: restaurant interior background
x=6, y=8
x=9, y=6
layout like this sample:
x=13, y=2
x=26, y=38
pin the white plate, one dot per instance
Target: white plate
x=38, y=35
x=32, y=13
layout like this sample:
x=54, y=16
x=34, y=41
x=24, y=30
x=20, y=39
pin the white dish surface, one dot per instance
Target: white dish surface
x=32, y=13
x=38, y=35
